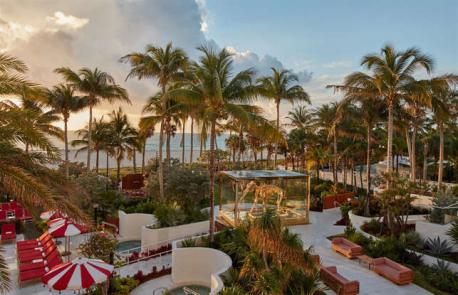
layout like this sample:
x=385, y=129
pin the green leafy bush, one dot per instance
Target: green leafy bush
x=100, y=245
x=122, y=286
x=437, y=246
x=440, y=278
x=453, y=232
x=442, y=199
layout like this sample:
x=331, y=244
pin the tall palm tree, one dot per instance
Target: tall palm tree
x=122, y=137
x=100, y=140
x=63, y=100
x=301, y=118
x=144, y=134
x=220, y=97
x=167, y=66
x=278, y=88
x=444, y=106
x=390, y=72
x=98, y=86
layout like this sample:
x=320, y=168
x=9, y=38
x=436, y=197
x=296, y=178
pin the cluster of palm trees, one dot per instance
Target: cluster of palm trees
x=209, y=93
x=385, y=108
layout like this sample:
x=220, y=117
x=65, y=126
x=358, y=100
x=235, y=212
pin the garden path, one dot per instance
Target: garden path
x=315, y=235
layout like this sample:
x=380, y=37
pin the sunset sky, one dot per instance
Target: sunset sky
x=320, y=40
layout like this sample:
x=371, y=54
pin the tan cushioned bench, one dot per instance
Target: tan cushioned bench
x=337, y=282
x=346, y=248
x=393, y=271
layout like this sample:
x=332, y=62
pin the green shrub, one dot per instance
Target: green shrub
x=437, y=246
x=122, y=286
x=373, y=227
x=440, y=278
x=344, y=209
x=412, y=238
x=453, y=232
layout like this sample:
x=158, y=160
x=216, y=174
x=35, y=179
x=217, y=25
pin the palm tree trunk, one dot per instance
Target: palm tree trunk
x=425, y=161
x=192, y=140
x=134, y=159
x=389, y=148
x=212, y=180
x=240, y=144
x=183, y=141
x=161, y=145
x=368, y=173
x=278, y=130
x=441, y=155
x=27, y=147
x=66, y=146
x=345, y=173
x=167, y=146
x=334, y=170
x=108, y=161
x=409, y=150
x=89, y=140
x=143, y=155
x=413, y=162
x=97, y=161
x=118, y=171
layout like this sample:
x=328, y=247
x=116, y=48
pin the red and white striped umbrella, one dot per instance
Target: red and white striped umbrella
x=66, y=228
x=49, y=215
x=53, y=222
x=78, y=274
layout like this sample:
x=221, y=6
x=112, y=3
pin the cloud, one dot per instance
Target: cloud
x=60, y=21
x=202, y=4
x=338, y=64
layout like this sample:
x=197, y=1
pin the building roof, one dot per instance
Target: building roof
x=262, y=174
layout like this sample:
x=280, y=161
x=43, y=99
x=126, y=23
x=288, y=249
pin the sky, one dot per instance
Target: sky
x=319, y=40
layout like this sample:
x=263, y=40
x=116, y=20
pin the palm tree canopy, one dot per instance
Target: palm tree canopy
x=63, y=99
x=278, y=87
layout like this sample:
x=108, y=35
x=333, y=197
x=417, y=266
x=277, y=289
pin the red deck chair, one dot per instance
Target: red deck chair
x=19, y=213
x=2, y=215
x=27, y=215
x=37, y=250
x=13, y=205
x=20, y=247
x=8, y=232
x=28, y=257
x=53, y=260
x=31, y=275
x=6, y=206
x=39, y=240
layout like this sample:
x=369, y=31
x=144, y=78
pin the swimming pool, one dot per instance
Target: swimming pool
x=130, y=246
x=190, y=290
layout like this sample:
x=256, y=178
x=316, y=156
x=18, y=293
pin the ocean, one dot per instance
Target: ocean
x=152, y=149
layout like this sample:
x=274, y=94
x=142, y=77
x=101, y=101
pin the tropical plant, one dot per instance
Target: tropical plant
x=63, y=100
x=278, y=87
x=453, y=232
x=437, y=246
x=219, y=96
x=100, y=245
x=97, y=86
x=167, y=65
x=100, y=140
x=123, y=137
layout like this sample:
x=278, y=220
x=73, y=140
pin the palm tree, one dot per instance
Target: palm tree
x=278, y=88
x=144, y=134
x=166, y=65
x=63, y=100
x=391, y=71
x=221, y=97
x=444, y=102
x=98, y=86
x=101, y=140
x=301, y=118
x=123, y=135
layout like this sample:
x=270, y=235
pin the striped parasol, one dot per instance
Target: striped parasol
x=65, y=228
x=78, y=274
x=50, y=215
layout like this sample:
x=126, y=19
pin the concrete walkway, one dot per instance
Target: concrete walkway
x=322, y=226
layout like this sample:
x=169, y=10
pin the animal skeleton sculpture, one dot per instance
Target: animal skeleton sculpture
x=263, y=193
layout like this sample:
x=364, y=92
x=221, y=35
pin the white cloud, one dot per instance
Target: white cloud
x=12, y=32
x=338, y=64
x=61, y=21
x=202, y=4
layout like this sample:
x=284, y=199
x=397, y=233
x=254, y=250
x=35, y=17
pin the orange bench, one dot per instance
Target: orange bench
x=393, y=271
x=346, y=248
x=337, y=282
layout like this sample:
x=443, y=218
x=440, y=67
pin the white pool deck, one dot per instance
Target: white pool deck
x=314, y=234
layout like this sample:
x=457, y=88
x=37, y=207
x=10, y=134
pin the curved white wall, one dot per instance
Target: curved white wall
x=428, y=229
x=197, y=265
x=130, y=225
x=152, y=237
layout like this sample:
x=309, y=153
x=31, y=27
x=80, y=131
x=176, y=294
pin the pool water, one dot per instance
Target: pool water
x=201, y=290
x=133, y=245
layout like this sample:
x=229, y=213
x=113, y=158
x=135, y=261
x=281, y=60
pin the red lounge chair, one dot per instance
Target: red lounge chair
x=13, y=205
x=346, y=248
x=337, y=282
x=19, y=213
x=27, y=215
x=39, y=240
x=395, y=272
x=8, y=232
x=31, y=275
x=5, y=206
x=36, y=254
x=53, y=260
x=35, y=244
x=2, y=215
x=40, y=249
